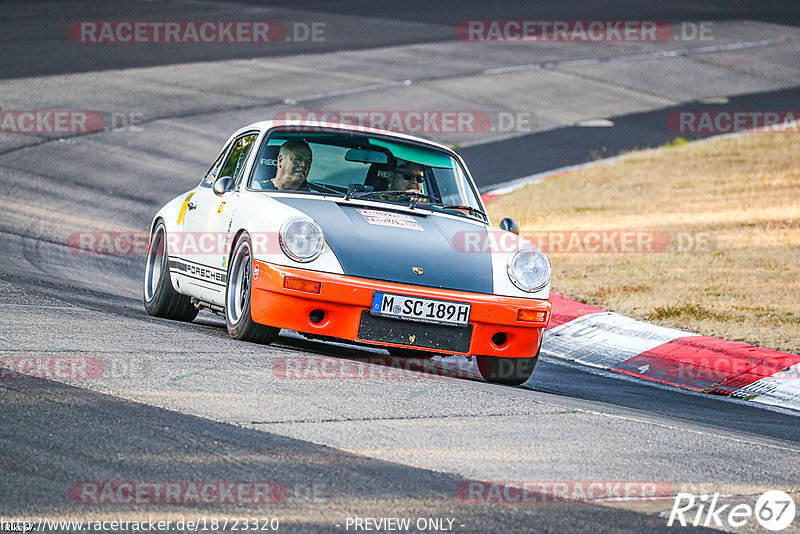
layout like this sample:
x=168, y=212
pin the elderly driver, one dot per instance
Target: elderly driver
x=294, y=162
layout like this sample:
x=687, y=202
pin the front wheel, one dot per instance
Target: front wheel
x=160, y=298
x=509, y=371
x=237, y=298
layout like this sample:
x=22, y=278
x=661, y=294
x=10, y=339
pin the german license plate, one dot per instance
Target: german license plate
x=420, y=309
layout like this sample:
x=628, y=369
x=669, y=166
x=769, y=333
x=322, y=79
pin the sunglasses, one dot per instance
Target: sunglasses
x=411, y=177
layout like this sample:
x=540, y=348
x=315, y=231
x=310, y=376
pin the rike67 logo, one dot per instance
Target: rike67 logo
x=774, y=510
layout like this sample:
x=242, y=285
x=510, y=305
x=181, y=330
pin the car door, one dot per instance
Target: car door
x=206, y=225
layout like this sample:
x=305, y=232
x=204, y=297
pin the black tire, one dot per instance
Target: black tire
x=400, y=352
x=508, y=371
x=159, y=297
x=237, y=297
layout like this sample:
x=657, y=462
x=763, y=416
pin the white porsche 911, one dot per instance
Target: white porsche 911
x=351, y=233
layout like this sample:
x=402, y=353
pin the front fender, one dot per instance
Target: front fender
x=261, y=217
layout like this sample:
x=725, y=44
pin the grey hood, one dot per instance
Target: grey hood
x=385, y=244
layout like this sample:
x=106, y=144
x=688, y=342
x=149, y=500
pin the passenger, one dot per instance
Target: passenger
x=294, y=163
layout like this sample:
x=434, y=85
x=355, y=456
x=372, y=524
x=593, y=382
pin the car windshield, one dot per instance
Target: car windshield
x=359, y=166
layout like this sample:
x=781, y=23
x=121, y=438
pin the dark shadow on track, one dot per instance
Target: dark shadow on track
x=60, y=440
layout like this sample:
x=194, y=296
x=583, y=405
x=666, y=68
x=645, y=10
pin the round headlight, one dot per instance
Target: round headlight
x=529, y=269
x=301, y=239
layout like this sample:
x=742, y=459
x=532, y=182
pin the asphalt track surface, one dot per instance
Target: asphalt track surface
x=33, y=41
x=185, y=403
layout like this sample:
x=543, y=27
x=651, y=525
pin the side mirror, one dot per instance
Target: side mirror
x=222, y=185
x=508, y=224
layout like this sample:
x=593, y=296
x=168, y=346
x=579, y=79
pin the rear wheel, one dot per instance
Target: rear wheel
x=237, y=297
x=509, y=371
x=160, y=298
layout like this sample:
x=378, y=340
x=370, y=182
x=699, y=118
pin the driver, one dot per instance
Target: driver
x=294, y=162
x=407, y=177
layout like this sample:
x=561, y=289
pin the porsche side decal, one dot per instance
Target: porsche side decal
x=200, y=272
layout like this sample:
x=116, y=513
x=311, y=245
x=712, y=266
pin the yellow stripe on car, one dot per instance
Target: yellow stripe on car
x=182, y=214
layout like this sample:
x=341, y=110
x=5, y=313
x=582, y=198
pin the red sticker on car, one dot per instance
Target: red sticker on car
x=385, y=218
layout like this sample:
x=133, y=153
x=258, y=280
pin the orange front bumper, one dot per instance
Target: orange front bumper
x=343, y=298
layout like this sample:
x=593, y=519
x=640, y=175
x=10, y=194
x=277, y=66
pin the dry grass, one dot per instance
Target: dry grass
x=743, y=192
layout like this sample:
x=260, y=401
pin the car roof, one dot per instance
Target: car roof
x=267, y=124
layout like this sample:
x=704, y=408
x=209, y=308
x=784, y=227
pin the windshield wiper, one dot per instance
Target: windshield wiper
x=324, y=188
x=393, y=192
x=463, y=207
